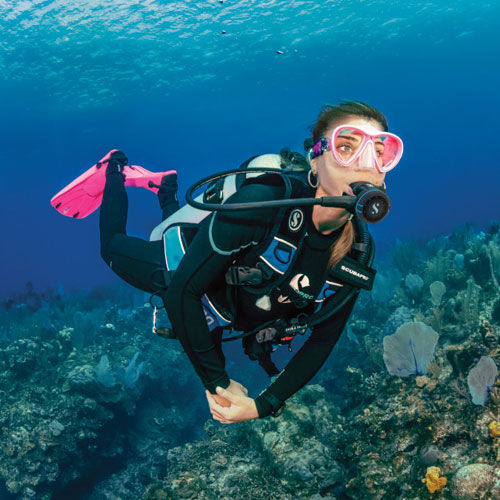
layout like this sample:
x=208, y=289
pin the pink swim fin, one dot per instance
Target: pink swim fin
x=84, y=195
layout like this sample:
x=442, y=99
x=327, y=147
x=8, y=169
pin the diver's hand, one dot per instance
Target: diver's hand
x=242, y=407
x=219, y=400
x=236, y=388
x=233, y=387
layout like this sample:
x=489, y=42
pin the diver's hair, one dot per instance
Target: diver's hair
x=342, y=246
x=335, y=113
x=331, y=114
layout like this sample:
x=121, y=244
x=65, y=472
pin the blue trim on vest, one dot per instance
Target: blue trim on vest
x=213, y=317
x=174, y=252
x=329, y=289
x=279, y=255
x=174, y=249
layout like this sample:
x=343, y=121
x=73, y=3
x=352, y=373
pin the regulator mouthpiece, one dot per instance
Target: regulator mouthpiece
x=372, y=203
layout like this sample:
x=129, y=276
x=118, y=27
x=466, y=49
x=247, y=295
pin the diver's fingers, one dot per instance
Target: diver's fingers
x=241, y=387
x=217, y=415
x=212, y=402
x=215, y=409
x=220, y=414
x=220, y=418
x=223, y=420
x=231, y=397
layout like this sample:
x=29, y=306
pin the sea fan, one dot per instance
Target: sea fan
x=410, y=350
x=481, y=379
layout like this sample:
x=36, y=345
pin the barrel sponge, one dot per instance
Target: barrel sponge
x=410, y=350
x=481, y=379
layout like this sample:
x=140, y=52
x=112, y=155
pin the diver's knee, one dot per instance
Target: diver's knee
x=105, y=254
x=110, y=245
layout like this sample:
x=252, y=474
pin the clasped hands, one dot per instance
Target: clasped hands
x=232, y=404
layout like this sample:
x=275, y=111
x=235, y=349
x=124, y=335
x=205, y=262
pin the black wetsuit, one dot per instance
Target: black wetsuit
x=219, y=241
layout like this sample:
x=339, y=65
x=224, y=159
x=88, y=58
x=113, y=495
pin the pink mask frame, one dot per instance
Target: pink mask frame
x=393, y=147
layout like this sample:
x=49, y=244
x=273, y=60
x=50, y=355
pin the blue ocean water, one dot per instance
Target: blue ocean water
x=201, y=86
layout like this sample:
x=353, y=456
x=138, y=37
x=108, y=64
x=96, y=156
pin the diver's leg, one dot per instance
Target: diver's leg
x=114, y=208
x=139, y=262
x=167, y=195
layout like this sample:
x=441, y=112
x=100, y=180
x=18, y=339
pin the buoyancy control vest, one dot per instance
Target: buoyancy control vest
x=271, y=262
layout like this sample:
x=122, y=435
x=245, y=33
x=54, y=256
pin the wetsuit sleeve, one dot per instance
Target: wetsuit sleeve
x=308, y=360
x=219, y=240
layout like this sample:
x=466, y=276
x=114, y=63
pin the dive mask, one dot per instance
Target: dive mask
x=374, y=148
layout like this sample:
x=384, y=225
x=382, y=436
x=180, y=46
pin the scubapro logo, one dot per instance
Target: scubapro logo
x=283, y=299
x=354, y=273
x=295, y=220
x=298, y=283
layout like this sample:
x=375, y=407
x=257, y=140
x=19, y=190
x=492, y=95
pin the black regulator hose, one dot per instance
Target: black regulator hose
x=370, y=202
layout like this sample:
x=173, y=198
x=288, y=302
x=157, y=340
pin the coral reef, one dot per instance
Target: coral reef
x=264, y=458
x=95, y=406
x=63, y=418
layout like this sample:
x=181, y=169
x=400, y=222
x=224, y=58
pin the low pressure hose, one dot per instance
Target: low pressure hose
x=370, y=202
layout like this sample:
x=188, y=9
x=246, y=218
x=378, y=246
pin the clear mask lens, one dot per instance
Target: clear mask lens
x=347, y=143
x=382, y=150
x=390, y=152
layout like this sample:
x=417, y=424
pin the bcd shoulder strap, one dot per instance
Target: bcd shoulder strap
x=266, y=265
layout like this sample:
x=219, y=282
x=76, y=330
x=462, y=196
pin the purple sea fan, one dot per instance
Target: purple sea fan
x=410, y=350
x=481, y=379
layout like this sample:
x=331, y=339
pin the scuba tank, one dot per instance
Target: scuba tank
x=218, y=191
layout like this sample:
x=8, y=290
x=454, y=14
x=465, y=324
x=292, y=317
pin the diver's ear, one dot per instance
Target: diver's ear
x=313, y=166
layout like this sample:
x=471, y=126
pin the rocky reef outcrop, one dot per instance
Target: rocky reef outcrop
x=65, y=423
x=95, y=406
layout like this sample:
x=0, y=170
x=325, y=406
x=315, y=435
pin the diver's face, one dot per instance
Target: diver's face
x=334, y=179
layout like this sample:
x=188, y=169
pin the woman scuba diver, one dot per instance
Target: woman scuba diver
x=269, y=272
